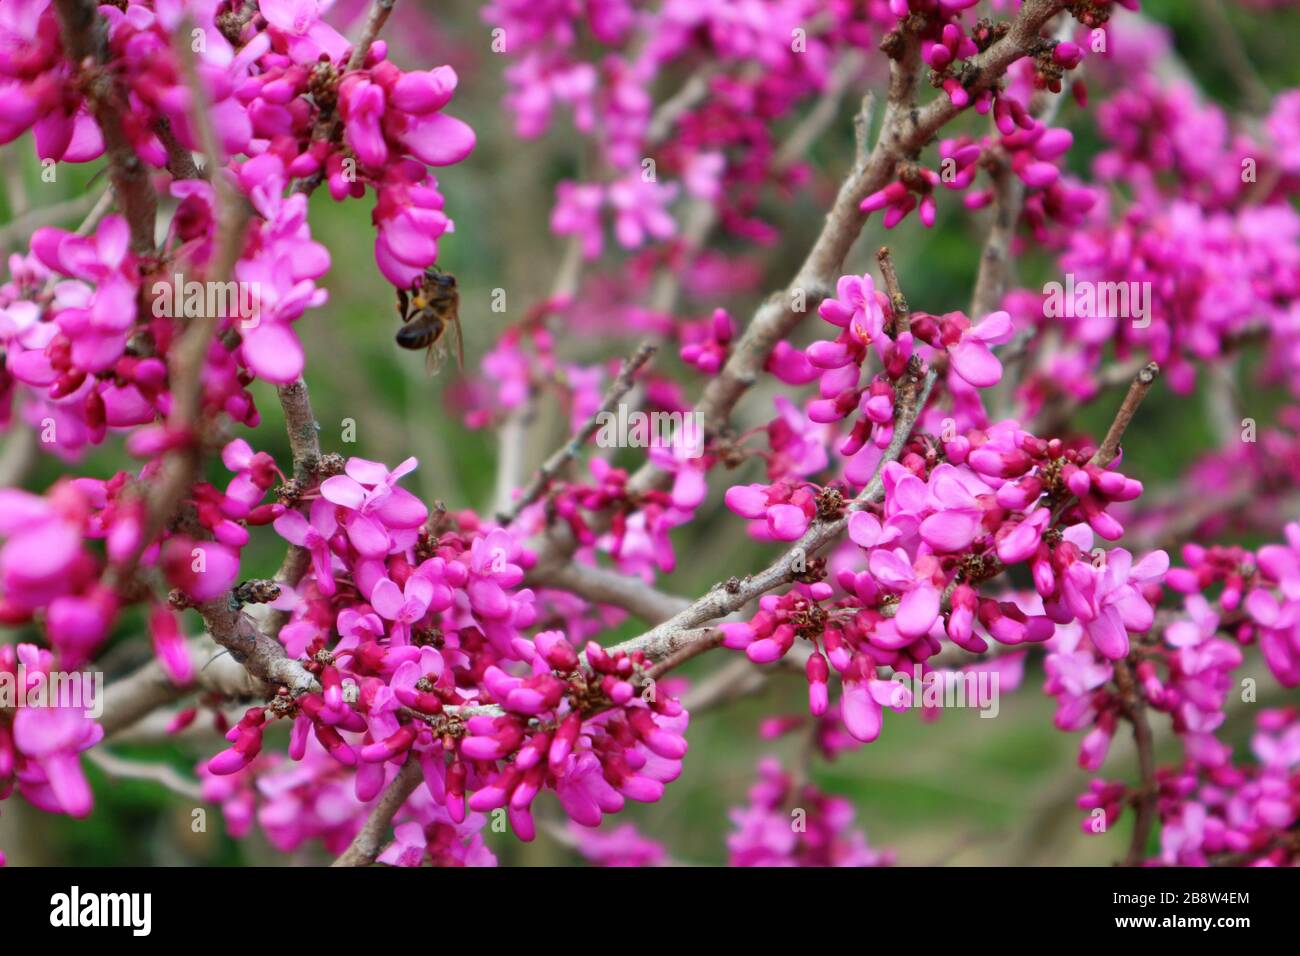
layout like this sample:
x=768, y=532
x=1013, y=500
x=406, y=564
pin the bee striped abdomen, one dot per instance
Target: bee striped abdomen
x=420, y=334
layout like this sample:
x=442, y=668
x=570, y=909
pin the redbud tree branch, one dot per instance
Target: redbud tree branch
x=367, y=843
x=670, y=636
x=304, y=444
x=1137, y=391
x=262, y=656
x=621, y=385
x=85, y=41
x=1134, y=708
x=604, y=586
x=130, y=698
x=905, y=130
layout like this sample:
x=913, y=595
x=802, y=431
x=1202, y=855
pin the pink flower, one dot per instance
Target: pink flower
x=640, y=210
x=51, y=738
x=620, y=846
x=1106, y=600
x=970, y=354
x=1073, y=673
x=284, y=274
x=374, y=504
x=42, y=543
x=862, y=705
x=577, y=213
x=690, y=485
x=918, y=609
x=170, y=647
x=402, y=606
x=409, y=220
x=785, y=510
x=1277, y=614
x=439, y=139
x=307, y=36
x=314, y=535
x=764, y=835
x=202, y=569
x=493, y=573
x=408, y=847
x=955, y=520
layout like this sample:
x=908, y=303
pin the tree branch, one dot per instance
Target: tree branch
x=262, y=656
x=621, y=385
x=904, y=130
x=161, y=773
x=668, y=638
x=304, y=444
x=1137, y=391
x=85, y=41
x=604, y=586
x=129, y=699
x=367, y=844
x=1135, y=712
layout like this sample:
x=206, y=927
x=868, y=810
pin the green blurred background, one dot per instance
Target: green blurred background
x=963, y=790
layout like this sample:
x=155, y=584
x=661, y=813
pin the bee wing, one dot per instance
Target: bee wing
x=435, y=356
x=460, y=342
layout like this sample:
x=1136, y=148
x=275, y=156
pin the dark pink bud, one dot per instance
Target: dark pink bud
x=398, y=743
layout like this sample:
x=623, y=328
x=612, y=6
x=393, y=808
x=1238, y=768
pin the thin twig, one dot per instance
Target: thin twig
x=621, y=385
x=1135, y=712
x=304, y=444
x=180, y=161
x=162, y=773
x=367, y=843
x=604, y=586
x=1137, y=391
x=897, y=301
x=129, y=699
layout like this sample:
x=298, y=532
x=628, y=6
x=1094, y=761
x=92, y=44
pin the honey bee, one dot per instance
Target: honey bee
x=428, y=309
